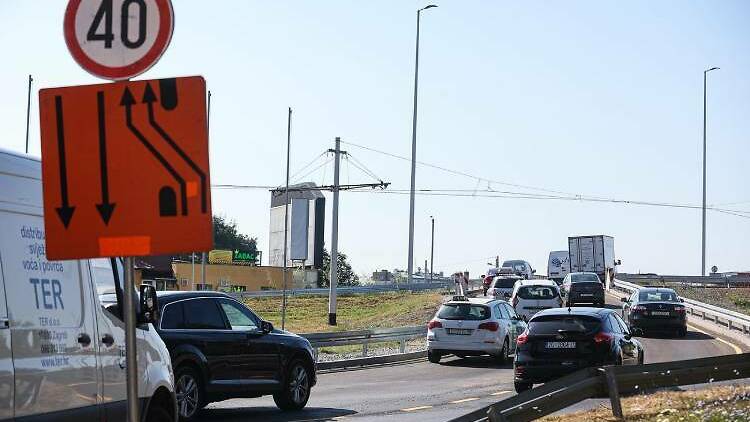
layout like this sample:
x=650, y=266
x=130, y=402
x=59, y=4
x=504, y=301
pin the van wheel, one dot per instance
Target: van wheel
x=296, y=390
x=502, y=357
x=189, y=392
x=522, y=386
x=158, y=414
x=433, y=357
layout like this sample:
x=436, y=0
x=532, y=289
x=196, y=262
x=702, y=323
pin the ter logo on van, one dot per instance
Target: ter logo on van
x=125, y=168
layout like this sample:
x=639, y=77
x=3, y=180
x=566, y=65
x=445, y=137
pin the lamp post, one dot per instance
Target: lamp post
x=432, y=249
x=410, y=266
x=703, y=233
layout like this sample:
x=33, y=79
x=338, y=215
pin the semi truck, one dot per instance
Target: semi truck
x=594, y=254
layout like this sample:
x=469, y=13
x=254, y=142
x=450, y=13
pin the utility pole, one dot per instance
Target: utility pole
x=432, y=249
x=208, y=131
x=192, y=261
x=703, y=232
x=410, y=265
x=286, y=213
x=28, y=111
x=334, y=236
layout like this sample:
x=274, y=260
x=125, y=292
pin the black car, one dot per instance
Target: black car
x=583, y=288
x=563, y=340
x=220, y=350
x=655, y=309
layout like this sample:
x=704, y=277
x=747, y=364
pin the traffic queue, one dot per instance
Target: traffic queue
x=550, y=328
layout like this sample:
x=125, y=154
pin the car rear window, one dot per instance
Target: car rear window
x=505, y=282
x=658, y=297
x=553, y=324
x=537, y=292
x=584, y=277
x=464, y=311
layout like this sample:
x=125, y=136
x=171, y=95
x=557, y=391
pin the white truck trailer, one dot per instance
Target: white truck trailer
x=595, y=254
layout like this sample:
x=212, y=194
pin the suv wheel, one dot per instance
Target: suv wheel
x=189, y=392
x=433, y=357
x=296, y=390
x=521, y=386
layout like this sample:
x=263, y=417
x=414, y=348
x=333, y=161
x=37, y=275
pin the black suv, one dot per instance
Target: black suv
x=657, y=309
x=563, y=340
x=220, y=350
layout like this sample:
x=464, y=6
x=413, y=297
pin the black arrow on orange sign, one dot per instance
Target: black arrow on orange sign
x=65, y=212
x=149, y=98
x=127, y=101
x=105, y=208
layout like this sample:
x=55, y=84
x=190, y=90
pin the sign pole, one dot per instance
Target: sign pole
x=130, y=342
x=286, y=214
x=28, y=112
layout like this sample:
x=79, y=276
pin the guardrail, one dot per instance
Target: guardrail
x=733, y=281
x=348, y=290
x=610, y=381
x=366, y=337
x=721, y=316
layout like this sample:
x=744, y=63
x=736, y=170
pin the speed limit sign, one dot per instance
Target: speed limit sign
x=118, y=39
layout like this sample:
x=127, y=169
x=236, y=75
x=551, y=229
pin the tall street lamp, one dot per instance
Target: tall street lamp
x=410, y=266
x=703, y=236
x=432, y=249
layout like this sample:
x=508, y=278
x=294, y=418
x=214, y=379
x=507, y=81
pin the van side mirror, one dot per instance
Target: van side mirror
x=533, y=271
x=149, y=304
x=624, y=299
x=266, y=327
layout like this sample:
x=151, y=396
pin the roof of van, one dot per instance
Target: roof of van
x=17, y=164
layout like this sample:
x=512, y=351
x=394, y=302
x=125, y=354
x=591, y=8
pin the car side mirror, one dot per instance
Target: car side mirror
x=533, y=271
x=636, y=332
x=266, y=327
x=682, y=300
x=624, y=299
x=628, y=336
x=149, y=304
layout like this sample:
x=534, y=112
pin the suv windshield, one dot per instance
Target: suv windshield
x=464, y=311
x=505, y=282
x=583, y=277
x=658, y=297
x=537, y=292
x=553, y=324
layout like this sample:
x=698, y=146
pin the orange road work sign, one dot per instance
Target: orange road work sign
x=125, y=169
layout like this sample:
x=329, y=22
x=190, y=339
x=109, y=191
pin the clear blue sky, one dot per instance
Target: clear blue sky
x=587, y=97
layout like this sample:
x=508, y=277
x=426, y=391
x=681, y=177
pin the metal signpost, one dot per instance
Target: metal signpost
x=99, y=141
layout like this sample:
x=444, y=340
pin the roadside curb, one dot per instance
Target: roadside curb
x=370, y=361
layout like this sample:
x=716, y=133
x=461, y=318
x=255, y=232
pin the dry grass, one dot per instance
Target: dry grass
x=307, y=314
x=717, y=404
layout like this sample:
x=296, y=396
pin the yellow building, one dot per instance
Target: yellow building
x=240, y=278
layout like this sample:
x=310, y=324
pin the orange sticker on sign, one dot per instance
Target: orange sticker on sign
x=125, y=169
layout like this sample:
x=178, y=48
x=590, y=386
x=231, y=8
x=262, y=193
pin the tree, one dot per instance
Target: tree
x=226, y=236
x=346, y=276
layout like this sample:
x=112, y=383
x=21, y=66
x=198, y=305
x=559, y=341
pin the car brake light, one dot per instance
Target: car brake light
x=522, y=339
x=489, y=326
x=434, y=324
x=602, y=337
x=679, y=309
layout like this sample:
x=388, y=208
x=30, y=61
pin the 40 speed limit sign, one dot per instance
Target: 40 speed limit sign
x=118, y=39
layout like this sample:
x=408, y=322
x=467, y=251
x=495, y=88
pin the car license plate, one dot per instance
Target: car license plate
x=660, y=313
x=459, y=331
x=560, y=345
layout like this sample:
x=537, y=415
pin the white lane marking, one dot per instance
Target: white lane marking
x=734, y=347
x=500, y=393
x=464, y=400
x=414, y=409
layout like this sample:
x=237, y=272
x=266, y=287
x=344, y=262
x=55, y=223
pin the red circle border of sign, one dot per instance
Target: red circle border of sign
x=163, y=37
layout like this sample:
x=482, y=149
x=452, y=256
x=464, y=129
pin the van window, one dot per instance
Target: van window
x=172, y=318
x=537, y=292
x=202, y=314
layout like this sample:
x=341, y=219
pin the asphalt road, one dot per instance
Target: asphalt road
x=421, y=391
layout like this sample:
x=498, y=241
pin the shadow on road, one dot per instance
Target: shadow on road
x=272, y=414
x=477, y=362
x=691, y=335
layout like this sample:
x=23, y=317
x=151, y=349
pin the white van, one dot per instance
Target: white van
x=62, y=354
x=532, y=296
x=558, y=266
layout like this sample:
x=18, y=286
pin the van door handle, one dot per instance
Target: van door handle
x=84, y=339
x=108, y=340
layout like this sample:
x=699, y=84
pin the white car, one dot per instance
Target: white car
x=471, y=327
x=532, y=296
x=502, y=286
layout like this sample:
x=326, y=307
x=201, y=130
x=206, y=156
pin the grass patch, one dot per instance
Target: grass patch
x=734, y=298
x=717, y=404
x=308, y=314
